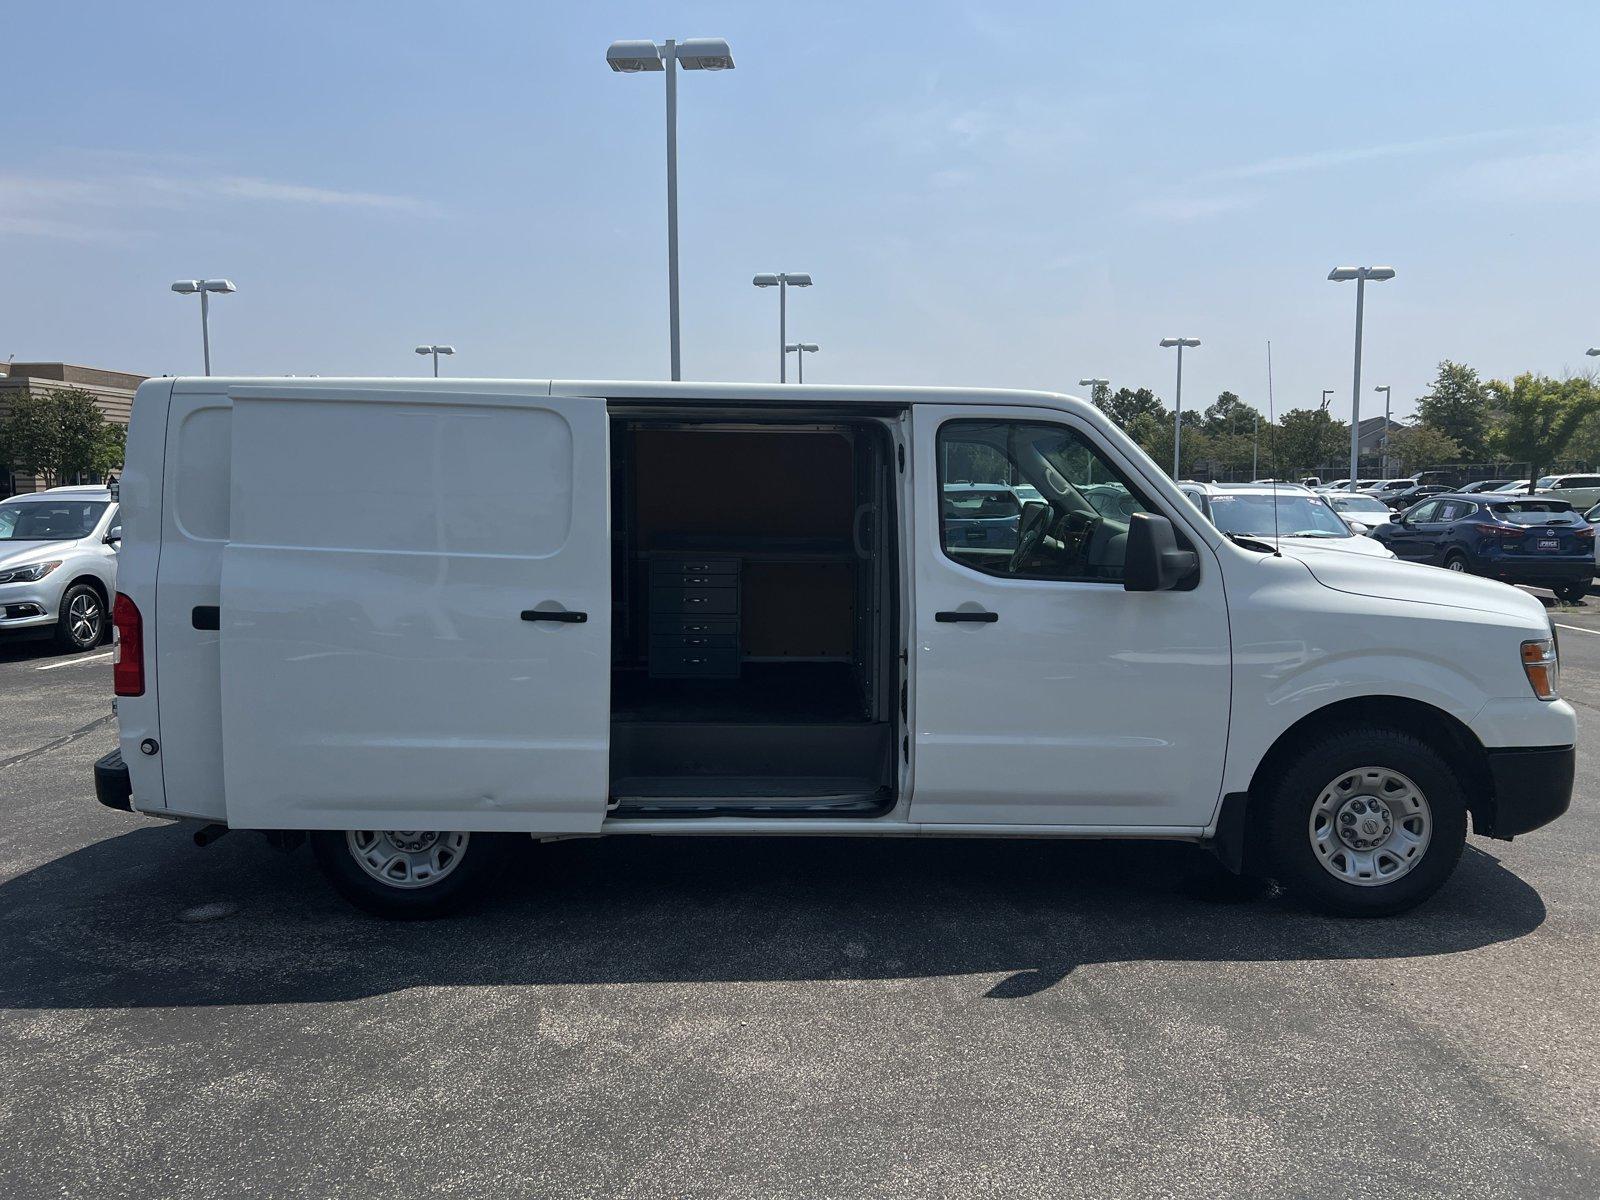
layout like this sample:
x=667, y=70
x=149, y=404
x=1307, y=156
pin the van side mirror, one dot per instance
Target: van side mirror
x=113, y=535
x=1154, y=561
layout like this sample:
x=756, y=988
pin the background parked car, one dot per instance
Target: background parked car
x=1538, y=539
x=1390, y=487
x=1484, y=485
x=1580, y=491
x=984, y=515
x=1361, y=513
x=1302, y=517
x=1404, y=498
x=58, y=564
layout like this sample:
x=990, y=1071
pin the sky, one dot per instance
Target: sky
x=1007, y=195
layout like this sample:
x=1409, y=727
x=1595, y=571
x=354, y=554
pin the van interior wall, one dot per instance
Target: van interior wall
x=787, y=505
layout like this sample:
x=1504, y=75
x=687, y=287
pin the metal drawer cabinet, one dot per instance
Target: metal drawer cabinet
x=694, y=617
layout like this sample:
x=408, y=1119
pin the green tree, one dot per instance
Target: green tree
x=1418, y=447
x=1230, y=415
x=1458, y=406
x=1304, y=439
x=1126, y=405
x=59, y=433
x=1536, y=417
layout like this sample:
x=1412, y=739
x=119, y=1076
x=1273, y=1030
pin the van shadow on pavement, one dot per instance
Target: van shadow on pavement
x=100, y=928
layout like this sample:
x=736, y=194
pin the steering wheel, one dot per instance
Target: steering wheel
x=1030, y=534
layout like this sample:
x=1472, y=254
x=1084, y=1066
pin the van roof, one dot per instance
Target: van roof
x=641, y=391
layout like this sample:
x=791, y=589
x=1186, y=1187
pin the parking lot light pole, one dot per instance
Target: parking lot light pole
x=783, y=281
x=800, y=350
x=692, y=54
x=436, y=351
x=1092, y=384
x=1384, y=388
x=1360, y=275
x=188, y=287
x=1177, y=404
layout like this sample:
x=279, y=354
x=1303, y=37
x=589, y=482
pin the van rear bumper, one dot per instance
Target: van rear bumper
x=112, y=786
x=1532, y=787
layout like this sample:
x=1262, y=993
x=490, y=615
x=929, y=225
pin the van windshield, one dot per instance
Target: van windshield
x=1297, y=516
x=49, y=521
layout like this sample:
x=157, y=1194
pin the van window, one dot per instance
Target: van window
x=1076, y=531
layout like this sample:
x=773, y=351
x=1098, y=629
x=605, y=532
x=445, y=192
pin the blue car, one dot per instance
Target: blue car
x=1517, y=539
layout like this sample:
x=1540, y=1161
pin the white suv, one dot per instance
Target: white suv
x=58, y=564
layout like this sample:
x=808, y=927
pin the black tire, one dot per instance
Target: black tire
x=1289, y=814
x=1457, y=561
x=481, y=858
x=1571, y=593
x=81, y=623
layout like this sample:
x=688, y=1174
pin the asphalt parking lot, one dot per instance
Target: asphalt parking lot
x=788, y=1018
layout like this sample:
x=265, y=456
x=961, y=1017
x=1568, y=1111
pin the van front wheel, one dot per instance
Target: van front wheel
x=410, y=873
x=1366, y=822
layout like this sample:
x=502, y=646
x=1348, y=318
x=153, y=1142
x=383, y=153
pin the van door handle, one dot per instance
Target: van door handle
x=206, y=616
x=978, y=616
x=562, y=615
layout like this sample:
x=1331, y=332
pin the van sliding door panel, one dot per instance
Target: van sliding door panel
x=377, y=668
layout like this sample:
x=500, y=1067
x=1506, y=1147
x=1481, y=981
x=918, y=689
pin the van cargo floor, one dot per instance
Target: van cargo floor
x=735, y=795
x=765, y=692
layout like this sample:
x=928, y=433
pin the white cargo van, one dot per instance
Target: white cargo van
x=411, y=618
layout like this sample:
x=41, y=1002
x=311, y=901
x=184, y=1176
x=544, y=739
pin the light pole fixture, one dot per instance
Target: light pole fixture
x=693, y=54
x=800, y=350
x=1384, y=388
x=1360, y=275
x=188, y=287
x=1091, y=384
x=1593, y=351
x=1326, y=392
x=783, y=281
x=1177, y=403
x=436, y=351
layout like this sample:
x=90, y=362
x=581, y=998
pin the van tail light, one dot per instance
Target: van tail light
x=1543, y=667
x=127, y=657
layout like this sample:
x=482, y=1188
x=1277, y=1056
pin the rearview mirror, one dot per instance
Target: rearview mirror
x=1154, y=561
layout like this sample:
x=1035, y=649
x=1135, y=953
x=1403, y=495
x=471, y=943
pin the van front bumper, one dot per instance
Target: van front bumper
x=1532, y=787
x=112, y=787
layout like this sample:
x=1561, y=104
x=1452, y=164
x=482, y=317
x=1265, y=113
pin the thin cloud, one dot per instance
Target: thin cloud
x=74, y=207
x=1570, y=176
x=1183, y=209
x=1320, y=160
x=245, y=188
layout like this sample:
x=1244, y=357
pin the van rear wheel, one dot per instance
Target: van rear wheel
x=410, y=873
x=1366, y=822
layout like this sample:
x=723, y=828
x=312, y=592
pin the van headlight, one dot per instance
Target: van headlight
x=31, y=573
x=1543, y=667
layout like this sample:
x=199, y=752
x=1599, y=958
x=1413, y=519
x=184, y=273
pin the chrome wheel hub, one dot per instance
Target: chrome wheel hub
x=83, y=618
x=407, y=858
x=1370, y=826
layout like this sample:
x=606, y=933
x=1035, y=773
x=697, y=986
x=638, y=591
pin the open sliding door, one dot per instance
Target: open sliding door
x=415, y=616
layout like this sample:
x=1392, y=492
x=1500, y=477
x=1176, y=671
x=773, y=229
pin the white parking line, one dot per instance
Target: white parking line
x=1577, y=628
x=73, y=662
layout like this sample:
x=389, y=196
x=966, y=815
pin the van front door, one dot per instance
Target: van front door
x=1045, y=693
x=416, y=598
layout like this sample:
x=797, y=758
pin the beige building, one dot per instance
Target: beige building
x=112, y=390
